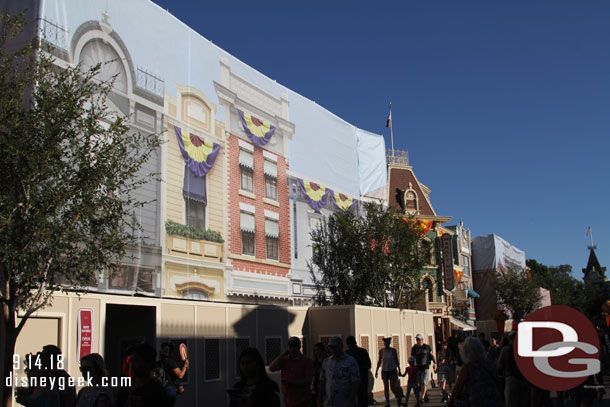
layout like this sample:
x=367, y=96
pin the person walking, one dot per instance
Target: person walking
x=297, y=374
x=145, y=390
x=364, y=364
x=476, y=385
x=493, y=353
x=339, y=378
x=388, y=358
x=423, y=356
x=412, y=382
x=255, y=388
x=444, y=358
x=516, y=388
x=100, y=394
x=319, y=354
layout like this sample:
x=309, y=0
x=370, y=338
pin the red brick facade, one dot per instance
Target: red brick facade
x=400, y=178
x=234, y=230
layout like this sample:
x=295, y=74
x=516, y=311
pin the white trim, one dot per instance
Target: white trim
x=270, y=156
x=269, y=214
x=246, y=146
x=247, y=208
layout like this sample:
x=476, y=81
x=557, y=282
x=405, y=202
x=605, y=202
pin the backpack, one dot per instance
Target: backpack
x=161, y=376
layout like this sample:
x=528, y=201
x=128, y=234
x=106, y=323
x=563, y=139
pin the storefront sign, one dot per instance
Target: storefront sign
x=85, y=332
x=446, y=245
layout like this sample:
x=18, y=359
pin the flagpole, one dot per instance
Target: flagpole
x=391, y=130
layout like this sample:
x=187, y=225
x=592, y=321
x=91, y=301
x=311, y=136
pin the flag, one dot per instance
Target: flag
x=388, y=123
x=589, y=231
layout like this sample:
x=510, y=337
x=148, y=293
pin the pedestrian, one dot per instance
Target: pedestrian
x=516, y=388
x=37, y=394
x=388, y=358
x=297, y=374
x=340, y=378
x=423, y=357
x=412, y=382
x=173, y=371
x=53, y=360
x=476, y=385
x=99, y=394
x=255, y=388
x=493, y=352
x=319, y=354
x=364, y=364
x=444, y=358
x=145, y=390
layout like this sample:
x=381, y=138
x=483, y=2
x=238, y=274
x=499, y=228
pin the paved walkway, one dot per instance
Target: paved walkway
x=435, y=398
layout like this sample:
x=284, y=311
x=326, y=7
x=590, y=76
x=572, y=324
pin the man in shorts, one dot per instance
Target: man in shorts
x=423, y=356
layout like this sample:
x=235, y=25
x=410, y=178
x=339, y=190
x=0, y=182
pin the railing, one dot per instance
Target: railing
x=54, y=34
x=397, y=157
x=149, y=82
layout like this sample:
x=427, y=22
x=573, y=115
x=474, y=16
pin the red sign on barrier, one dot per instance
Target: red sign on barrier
x=85, y=332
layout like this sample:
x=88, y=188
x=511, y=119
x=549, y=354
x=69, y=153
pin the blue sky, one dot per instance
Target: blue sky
x=504, y=107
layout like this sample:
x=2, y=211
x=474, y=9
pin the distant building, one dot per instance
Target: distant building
x=463, y=294
x=491, y=254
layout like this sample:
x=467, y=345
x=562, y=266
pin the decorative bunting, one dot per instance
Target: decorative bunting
x=258, y=132
x=343, y=202
x=421, y=226
x=199, y=155
x=315, y=195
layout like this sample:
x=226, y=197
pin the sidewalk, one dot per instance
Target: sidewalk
x=435, y=398
x=433, y=393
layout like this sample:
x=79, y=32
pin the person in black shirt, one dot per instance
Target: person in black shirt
x=173, y=371
x=364, y=364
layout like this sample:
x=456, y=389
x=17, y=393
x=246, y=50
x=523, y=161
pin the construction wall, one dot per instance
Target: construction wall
x=215, y=333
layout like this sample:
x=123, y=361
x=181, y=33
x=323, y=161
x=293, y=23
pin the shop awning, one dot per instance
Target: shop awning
x=461, y=325
x=473, y=294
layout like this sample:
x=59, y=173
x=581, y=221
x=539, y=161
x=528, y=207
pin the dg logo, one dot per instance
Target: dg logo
x=557, y=348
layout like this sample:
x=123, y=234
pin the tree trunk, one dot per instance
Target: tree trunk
x=8, y=339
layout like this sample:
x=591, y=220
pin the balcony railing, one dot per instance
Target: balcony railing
x=53, y=34
x=149, y=82
x=397, y=157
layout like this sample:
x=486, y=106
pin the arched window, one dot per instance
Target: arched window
x=428, y=286
x=194, y=294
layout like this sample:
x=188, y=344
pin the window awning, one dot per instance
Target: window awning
x=246, y=222
x=272, y=228
x=473, y=294
x=246, y=159
x=461, y=325
x=270, y=169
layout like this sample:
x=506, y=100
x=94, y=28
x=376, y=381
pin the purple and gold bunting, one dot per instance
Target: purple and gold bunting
x=199, y=155
x=315, y=195
x=343, y=202
x=258, y=132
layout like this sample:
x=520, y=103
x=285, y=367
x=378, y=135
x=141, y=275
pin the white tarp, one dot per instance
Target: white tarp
x=324, y=147
x=491, y=250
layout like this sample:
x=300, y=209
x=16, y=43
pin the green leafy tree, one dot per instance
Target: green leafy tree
x=369, y=260
x=564, y=289
x=69, y=167
x=516, y=290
